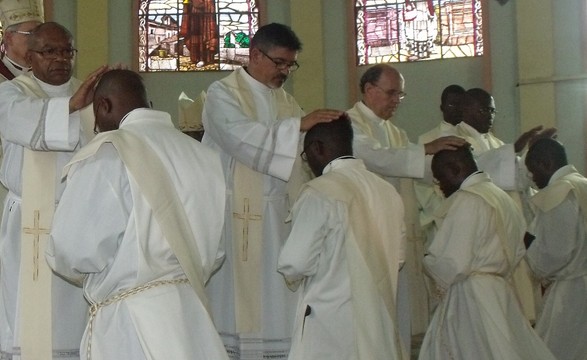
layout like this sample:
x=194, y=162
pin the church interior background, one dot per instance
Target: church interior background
x=529, y=54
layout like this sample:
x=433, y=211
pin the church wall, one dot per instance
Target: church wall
x=333, y=72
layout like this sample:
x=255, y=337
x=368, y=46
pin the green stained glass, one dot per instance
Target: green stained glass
x=195, y=35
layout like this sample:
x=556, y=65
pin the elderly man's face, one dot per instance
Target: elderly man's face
x=15, y=40
x=385, y=94
x=51, y=58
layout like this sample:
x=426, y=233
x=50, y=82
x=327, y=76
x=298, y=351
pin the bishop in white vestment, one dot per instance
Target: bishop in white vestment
x=44, y=120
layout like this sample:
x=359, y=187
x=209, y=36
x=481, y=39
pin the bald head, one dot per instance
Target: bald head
x=118, y=93
x=373, y=74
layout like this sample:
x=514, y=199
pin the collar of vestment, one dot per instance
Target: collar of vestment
x=370, y=124
x=563, y=181
x=372, y=244
x=141, y=115
x=479, y=142
x=32, y=85
x=370, y=115
x=510, y=223
x=16, y=65
x=342, y=162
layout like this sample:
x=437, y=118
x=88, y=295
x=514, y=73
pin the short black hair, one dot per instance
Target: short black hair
x=477, y=95
x=462, y=155
x=336, y=134
x=275, y=35
x=451, y=89
x=33, y=38
x=124, y=83
x=548, y=148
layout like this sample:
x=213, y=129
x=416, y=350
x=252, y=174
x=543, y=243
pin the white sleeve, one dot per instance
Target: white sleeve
x=269, y=149
x=395, y=162
x=451, y=253
x=91, y=217
x=300, y=254
x=558, y=235
x=502, y=166
x=37, y=124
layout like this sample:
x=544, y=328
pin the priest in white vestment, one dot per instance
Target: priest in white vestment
x=477, y=246
x=387, y=151
x=344, y=253
x=427, y=194
x=39, y=116
x=558, y=253
x=18, y=19
x=256, y=126
x=504, y=164
x=149, y=185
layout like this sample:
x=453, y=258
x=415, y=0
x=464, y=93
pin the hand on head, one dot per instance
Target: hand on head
x=319, y=116
x=84, y=95
x=444, y=143
x=530, y=136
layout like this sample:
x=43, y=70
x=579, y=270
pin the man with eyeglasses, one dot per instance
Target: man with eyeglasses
x=257, y=127
x=387, y=151
x=504, y=163
x=44, y=120
x=17, y=20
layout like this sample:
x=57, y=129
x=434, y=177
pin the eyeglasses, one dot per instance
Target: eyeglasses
x=281, y=64
x=52, y=53
x=392, y=92
x=303, y=154
x=22, y=32
x=487, y=111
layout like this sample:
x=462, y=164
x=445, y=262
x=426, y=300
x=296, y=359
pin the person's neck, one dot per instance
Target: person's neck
x=17, y=63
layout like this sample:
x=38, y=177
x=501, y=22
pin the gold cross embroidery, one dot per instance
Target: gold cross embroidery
x=36, y=231
x=246, y=216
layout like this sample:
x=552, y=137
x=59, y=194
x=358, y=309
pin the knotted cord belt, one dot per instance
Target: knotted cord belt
x=121, y=296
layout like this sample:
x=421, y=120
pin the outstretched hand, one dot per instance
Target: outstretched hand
x=530, y=136
x=319, y=116
x=444, y=143
x=84, y=95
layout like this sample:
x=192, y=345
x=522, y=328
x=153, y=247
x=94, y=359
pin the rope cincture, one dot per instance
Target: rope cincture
x=121, y=296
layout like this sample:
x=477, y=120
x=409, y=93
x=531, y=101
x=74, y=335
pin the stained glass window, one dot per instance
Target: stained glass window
x=195, y=35
x=416, y=30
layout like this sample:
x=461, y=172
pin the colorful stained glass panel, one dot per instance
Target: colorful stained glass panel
x=195, y=35
x=417, y=30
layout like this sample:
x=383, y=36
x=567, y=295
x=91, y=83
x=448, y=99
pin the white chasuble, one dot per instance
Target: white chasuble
x=38, y=206
x=387, y=151
x=247, y=223
x=256, y=130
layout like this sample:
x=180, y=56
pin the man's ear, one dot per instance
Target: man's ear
x=106, y=104
x=255, y=54
x=28, y=58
